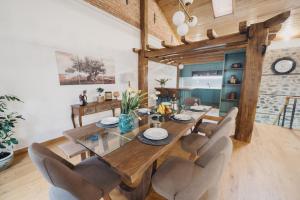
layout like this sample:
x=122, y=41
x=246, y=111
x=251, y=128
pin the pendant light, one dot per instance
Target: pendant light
x=182, y=29
x=193, y=21
x=178, y=18
x=187, y=2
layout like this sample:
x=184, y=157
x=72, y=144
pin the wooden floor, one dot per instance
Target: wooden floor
x=266, y=169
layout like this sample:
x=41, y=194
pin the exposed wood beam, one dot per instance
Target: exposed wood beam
x=236, y=37
x=271, y=37
x=164, y=44
x=275, y=29
x=201, y=60
x=177, y=77
x=136, y=50
x=151, y=48
x=207, y=55
x=251, y=82
x=243, y=27
x=143, y=61
x=211, y=34
x=278, y=19
x=184, y=40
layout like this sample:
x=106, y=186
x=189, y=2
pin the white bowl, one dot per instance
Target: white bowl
x=182, y=117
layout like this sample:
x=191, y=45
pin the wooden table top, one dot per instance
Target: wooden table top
x=134, y=158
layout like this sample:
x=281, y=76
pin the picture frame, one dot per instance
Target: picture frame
x=108, y=96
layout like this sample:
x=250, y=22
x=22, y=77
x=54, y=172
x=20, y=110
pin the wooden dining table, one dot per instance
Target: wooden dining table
x=133, y=160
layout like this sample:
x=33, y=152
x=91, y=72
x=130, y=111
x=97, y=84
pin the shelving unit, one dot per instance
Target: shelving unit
x=230, y=58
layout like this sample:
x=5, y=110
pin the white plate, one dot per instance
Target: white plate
x=200, y=107
x=144, y=110
x=156, y=133
x=166, y=103
x=110, y=120
x=182, y=117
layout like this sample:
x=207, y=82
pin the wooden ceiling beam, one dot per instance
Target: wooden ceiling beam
x=243, y=27
x=184, y=40
x=201, y=60
x=211, y=34
x=197, y=55
x=278, y=19
x=275, y=29
x=151, y=48
x=164, y=44
x=136, y=50
x=223, y=40
x=271, y=37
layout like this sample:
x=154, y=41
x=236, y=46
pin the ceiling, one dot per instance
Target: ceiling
x=250, y=10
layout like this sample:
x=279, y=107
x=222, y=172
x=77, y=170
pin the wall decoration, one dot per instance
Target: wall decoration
x=284, y=65
x=76, y=70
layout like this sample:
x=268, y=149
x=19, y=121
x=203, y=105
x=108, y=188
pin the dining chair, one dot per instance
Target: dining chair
x=196, y=144
x=91, y=179
x=208, y=128
x=180, y=179
x=190, y=101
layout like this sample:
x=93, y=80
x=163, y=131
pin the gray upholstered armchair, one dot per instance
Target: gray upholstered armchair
x=197, y=144
x=179, y=179
x=89, y=180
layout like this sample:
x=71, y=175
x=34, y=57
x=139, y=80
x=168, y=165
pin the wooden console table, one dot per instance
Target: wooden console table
x=91, y=108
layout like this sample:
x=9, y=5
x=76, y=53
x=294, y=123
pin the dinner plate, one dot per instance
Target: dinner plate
x=144, y=110
x=200, y=108
x=110, y=120
x=156, y=133
x=182, y=117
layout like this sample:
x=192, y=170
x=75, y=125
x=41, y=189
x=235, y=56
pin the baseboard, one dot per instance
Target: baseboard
x=48, y=142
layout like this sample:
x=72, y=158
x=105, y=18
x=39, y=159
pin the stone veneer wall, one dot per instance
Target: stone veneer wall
x=274, y=88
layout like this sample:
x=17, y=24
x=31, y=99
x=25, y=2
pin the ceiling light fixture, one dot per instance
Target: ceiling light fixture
x=222, y=7
x=179, y=18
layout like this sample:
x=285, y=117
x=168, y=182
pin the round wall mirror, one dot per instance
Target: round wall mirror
x=284, y=65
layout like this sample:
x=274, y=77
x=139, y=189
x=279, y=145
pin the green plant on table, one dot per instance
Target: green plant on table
x=100, y=90
x=131, y=100
x=162, y=81
x=8, y=120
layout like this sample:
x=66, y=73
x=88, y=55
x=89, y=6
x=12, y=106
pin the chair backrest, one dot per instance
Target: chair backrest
x=58, y=172
x=227, y=128
x=190, y=101
x=209, y=170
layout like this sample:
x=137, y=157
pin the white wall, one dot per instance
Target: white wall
x=30, y=33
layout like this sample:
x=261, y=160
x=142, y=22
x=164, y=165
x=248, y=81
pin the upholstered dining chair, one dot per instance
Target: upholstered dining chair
x=180, y=179
x=208, y=128
x=190, y=101
x=91, y=179
x=196, y=143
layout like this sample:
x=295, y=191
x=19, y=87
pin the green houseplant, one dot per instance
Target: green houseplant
x=100, y=98
x=131, y=100
x=8, y=120
x=162, y=82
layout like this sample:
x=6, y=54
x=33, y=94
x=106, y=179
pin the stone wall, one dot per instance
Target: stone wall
x=274, y=88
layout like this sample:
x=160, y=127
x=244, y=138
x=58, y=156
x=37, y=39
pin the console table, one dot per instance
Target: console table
x=91, y=108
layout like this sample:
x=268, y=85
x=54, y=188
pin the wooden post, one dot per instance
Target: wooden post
x=258, y=37
x=143, y=61
x=177, y=77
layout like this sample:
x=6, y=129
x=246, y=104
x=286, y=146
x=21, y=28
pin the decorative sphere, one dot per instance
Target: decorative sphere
x=178, y=18
x=180, y=66
x=182, y=29
x=187, y=2
x=193, y=22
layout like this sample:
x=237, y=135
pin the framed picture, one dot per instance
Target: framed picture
x=108, y=96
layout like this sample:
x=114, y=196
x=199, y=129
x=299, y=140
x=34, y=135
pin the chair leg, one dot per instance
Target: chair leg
x=193, y=157
x=83, y=156
x=106, y=197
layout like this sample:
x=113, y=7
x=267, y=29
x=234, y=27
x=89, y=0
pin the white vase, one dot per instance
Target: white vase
x=6, y=162
x=100, y=99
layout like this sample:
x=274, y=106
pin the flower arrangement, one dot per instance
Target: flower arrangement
x=162, y=81
x=100, y=90
x=8, y=120
x=131, y=100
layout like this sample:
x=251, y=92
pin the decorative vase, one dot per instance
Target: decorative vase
x=100, y=99
x=162, y=85
x=6, y=161
x=126, y=123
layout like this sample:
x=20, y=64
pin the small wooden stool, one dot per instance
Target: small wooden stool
x=72, y=149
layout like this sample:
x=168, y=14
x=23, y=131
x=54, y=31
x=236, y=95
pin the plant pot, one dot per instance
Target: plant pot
x=162, y=85
x=100, y=99
x=126, y=123
x=6, y=161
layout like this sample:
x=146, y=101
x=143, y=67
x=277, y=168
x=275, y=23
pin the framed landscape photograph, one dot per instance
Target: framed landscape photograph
x=76, y=70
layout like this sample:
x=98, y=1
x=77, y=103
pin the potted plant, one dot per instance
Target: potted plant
x=131, y=100
x=162, y=82
x=100, y=98
x=8, y=121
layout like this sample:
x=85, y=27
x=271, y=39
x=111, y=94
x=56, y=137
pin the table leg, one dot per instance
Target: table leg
x=141, y=191
x=80, y=120
x=73, y=120
x=113, y=112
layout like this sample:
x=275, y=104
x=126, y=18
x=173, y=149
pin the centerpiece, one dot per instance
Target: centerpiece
x=162, y=82
x=131, y=100
x=8, y=121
